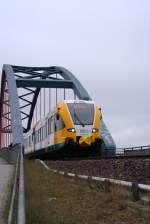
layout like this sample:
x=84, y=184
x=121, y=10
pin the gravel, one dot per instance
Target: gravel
x=129, y=169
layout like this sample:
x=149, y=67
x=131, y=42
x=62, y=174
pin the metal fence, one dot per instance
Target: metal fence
x=19, y=178
x=135, y=151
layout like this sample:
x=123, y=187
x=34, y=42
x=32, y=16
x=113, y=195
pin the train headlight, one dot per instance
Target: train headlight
x=94, y=130
x=71, y=130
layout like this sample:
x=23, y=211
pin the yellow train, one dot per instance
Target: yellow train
x=72, y=128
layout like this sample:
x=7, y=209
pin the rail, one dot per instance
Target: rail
x=19, y=175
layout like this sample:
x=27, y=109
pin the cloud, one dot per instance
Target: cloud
x=104, y=43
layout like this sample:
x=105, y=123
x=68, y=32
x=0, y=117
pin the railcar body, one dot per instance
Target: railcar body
x=72, y=128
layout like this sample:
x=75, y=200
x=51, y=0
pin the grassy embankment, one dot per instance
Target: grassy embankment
x=55, y=199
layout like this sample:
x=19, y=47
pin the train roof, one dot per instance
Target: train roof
x=80, y=101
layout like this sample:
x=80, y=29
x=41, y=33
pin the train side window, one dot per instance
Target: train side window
x=56, y=120
x=52, y=125
x=36, y=137
x=45, y=127
x=25, y=143
x=49, y=126
x=33, y=137
x=43, y=133
x=55, y=126
x=39, y=135
x=30, y=140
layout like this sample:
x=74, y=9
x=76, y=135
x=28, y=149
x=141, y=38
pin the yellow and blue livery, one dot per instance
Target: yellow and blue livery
x=72, y=128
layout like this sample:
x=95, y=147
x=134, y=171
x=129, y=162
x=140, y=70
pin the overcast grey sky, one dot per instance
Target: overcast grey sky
x=106, y=44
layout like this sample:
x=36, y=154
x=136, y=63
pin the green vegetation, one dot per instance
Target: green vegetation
x=55, y=199
x=148, y=150
x=103, y=186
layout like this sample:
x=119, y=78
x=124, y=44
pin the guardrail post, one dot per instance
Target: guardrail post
x=135, y=191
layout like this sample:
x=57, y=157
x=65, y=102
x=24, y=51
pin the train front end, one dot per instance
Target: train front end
x=83, y=127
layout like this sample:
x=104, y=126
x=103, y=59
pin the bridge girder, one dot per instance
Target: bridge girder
x=32, y=79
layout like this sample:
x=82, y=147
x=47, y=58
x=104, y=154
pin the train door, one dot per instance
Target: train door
x=46, y=136
x=33, y=139
x=58, y=126
x=55, y=130
x=52, y=131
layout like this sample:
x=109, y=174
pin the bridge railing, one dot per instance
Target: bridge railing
x=19, y=179
x=137, y=150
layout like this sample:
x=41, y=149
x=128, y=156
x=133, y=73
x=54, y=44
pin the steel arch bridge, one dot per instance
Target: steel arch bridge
x=20, y=99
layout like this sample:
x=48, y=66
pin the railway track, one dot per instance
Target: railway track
x=69, y=158
x=128, y=168
x=121, y=153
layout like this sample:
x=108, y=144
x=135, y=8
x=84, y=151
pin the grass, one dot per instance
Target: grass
x=55, y=199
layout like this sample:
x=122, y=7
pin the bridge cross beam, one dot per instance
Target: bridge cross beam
x=31, y=79
x=20, y=90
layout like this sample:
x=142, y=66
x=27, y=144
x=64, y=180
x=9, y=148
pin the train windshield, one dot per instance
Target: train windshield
x=81, y=113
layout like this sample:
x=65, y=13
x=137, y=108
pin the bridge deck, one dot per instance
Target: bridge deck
x=6, y=171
